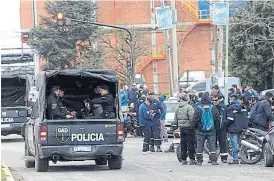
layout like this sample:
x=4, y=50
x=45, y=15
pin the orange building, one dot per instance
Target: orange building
x=193, y=35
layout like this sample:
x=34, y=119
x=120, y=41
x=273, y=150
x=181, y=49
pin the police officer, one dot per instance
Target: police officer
x=56, y=110
x=140, y=101
x=156, y=109
x=106, y=100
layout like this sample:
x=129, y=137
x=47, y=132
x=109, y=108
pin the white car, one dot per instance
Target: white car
x=171, y=105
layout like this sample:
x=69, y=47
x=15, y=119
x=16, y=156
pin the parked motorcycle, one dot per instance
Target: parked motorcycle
x=269, y=148
x=130, y=124
x=251, y=145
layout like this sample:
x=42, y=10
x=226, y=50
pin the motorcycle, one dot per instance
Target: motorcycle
x=251, y=145
x=130, y=124
x=269, y=147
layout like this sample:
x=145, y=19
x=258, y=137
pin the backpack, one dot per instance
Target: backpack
x=207, y=119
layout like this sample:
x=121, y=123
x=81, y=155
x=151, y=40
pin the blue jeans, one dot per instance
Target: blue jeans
x=235, y=145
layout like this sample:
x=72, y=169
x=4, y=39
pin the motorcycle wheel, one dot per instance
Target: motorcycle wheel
x=247, y=157
x=178, y=153
x=268, y=157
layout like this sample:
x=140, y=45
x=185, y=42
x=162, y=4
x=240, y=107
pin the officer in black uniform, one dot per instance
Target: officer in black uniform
x=56, y=110
x=107, y=102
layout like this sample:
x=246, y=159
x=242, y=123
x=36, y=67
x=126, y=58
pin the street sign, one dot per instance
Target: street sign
x=220, y=14
x=164, y=18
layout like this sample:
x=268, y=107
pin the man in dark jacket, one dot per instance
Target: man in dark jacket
x=156, y=109
x=55, y=107
x=132, y=94
x=199, y=99
x=263, y=112
x=234, y=125
x=221, y=130
x=206, y=128
x=106, y=101
x=145, y=118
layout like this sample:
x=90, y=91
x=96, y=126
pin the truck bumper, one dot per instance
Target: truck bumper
x=11, y=128
x=68, y=152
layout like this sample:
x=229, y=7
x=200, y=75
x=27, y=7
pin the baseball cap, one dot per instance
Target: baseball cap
x=134, y=84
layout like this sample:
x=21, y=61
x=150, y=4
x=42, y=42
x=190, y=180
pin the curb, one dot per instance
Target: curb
x=6, y=169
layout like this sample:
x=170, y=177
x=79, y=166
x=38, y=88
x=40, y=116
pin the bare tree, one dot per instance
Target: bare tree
x=119, y=50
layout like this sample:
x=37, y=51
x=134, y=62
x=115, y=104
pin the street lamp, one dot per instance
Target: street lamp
x=60, y=15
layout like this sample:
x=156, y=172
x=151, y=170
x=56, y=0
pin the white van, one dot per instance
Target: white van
x=206, y=84
x=190, y=78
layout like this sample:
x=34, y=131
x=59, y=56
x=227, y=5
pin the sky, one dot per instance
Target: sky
x=10, y=23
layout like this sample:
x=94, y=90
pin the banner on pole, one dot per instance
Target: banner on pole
x=220, y=14
x=164, y=18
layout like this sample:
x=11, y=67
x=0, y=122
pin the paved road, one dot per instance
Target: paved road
x=136, y=167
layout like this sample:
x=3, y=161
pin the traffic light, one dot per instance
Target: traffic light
x=129, y=64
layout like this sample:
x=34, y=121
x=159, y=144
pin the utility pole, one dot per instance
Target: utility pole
x=174, y=46
x=226, y=53
x=168, y=56
x=35, y=22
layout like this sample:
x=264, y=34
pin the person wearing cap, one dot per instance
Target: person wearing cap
x=132, y=94
x=56, y=110
x=107, y=102
x=156, y=109
x=183, y=118
x=145, y=121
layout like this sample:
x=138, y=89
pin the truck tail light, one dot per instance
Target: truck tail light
x=43, y=133
x=120, y=131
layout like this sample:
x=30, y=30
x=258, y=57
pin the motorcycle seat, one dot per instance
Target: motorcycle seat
x=263, y=133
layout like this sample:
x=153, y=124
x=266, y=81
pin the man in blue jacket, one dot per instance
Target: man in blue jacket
x=123, y=96
x=163, y=119
x=156, y=109
x=235, y=117
x=145, y=120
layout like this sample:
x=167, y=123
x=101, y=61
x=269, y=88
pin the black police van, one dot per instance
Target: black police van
x=79, y=138
x=14, y=104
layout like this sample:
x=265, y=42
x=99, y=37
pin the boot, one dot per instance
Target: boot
x=159, y=149
x=209, y=161
x=192, y=162
x=233, y=162
x=224, y=159
x=184, y=162
x=215, y=163
x=152, y=149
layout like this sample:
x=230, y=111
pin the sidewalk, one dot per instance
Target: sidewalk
x=5, y=173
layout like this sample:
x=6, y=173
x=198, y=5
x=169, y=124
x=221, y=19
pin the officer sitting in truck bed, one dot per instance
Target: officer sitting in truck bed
x=56, y=110
x=106, y=100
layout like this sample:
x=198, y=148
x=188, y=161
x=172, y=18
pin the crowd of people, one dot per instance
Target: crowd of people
x=201, y=117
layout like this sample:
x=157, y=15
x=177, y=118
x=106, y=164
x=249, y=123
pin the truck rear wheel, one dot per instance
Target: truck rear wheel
x=101, y=161
x=28, y=164
x=115, y=162
x=41, y=165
